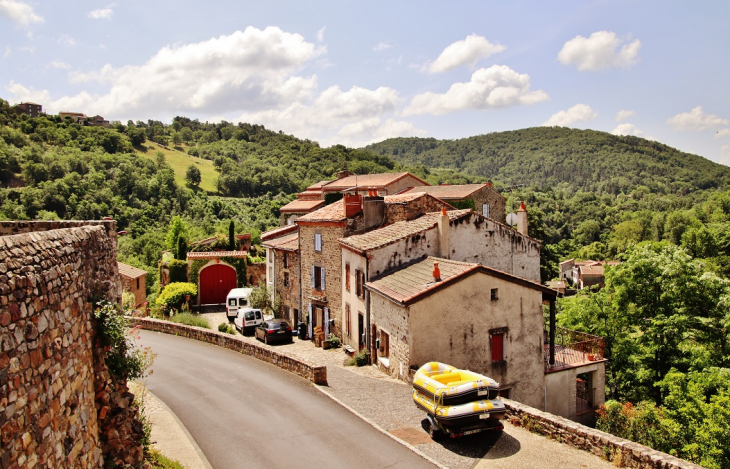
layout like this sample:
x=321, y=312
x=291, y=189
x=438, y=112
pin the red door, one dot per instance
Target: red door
x=215, y=283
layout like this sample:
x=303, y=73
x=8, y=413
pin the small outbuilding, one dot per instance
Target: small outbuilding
x=133, y=281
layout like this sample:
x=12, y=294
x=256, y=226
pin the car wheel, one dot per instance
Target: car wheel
x=433, y=431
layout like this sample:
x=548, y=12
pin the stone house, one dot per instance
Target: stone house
x=487, y=201
x=76, y=117
x=464, y=314
x=31, y=109
x=584, y=274
x=282, y=270
x=297, y=208
x=133, y=281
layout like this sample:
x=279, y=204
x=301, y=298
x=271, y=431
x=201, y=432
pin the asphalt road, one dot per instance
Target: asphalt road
x=246, y=413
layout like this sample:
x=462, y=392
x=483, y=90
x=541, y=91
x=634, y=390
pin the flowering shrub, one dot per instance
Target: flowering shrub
x=123, y=358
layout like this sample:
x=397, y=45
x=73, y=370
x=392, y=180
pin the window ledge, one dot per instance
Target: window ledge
x=384, y=361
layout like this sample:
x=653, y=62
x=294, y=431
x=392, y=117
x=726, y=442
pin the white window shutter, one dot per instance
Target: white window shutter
x=327, y=322
x=313, y=284
x=323, y=287
x=310, y=320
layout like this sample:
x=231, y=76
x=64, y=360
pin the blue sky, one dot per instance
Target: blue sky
x=359, y=72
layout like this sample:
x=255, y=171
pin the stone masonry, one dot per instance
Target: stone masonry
x=58, y=405
x=289, y=293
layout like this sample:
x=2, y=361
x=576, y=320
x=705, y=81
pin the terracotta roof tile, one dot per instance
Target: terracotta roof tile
x=288, y=242
x=400, y=198
x=130, y=271
x=302, y=206
x=380, y=180
x=276, y=232
x=459, y=191
x=216, y=254
x=397, y=231
x=332, y=212
x=310, y=195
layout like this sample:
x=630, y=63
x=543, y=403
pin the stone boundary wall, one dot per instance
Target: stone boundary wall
x=59, y=407
x=623, y=453
x=317, y=374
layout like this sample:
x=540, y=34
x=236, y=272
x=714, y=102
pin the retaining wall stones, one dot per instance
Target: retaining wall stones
x=623, y=453
x=58, y=405
x=314, y=373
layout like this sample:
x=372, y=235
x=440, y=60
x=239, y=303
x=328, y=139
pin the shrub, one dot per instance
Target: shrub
x=178, y=271
x=227, y=328
x=334, y=341
x=124, y=360
x=362, y=358
x=173, y=296
x=190, y=319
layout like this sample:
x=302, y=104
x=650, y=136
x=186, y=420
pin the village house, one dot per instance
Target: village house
x=282, y=270
x=76, y=117
x=584, y=274
x=31, y=109
x=485, y=200
x=133, y=281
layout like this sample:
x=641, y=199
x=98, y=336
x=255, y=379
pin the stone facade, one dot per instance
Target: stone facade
x=59, y=407
x=288, y=290
x=256, y=274
x=395, y=212
x=494, y=199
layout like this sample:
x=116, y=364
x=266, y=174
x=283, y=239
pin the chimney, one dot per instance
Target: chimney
x=443, y=227
x=343, y=174
x=373, y=210
x=353, y=205
x=522, y=219
x=436, y=272
x=489, y=184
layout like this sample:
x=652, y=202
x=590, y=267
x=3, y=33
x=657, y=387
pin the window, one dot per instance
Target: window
x=360, y=330
x=318, y=242
x=360, y=283
x=318, y=278
x=485, y=210
x=495, y=294
x=286, y=279
x=137, y=283
x=497, y=346
x=347, y=277
x=286, y=260
x=347, y=319
x=384, y=344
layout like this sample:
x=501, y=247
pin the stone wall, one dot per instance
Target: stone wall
x=623, y=453
x=58, y=405
x=314, y=373
x=408, y=210
x=488, y=195
x=256, y=274
x=289, y=293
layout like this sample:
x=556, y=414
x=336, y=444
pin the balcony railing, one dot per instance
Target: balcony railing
x=573, y=348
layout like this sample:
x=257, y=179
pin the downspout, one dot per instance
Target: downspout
x=552, y=332
x=367, y=305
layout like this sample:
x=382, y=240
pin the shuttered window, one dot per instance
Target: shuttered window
x=318, y=242
x=497, y=343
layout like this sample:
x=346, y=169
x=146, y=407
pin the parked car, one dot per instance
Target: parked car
x=247, y=319
x=237, y=298
x=274, y=330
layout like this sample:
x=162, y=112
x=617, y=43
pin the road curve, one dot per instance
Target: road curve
x=246, y=413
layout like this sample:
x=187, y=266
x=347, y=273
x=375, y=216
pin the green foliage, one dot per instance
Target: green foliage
x=173, y=296
x=261, y=299
x=157, y=460
x=192, y=176
x=464, y=204
x=362, y=358
x=181, y=250
x=190, y=319
x=334, y=341
x=178, y=271
x=644, y=423
x=124, y=360
x=231, y=236
x=194, y=272
x=178, y=229
x=226, y=328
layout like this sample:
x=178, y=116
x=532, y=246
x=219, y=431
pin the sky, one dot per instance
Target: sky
x=353, y=73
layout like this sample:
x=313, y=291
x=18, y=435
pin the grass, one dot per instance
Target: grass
x=190, y=319
x=179, y=161
x=157, y=460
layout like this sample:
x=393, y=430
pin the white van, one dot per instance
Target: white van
x=237, y=298
x=247, y=319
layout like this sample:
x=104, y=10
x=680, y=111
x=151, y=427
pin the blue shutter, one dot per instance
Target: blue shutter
x=322, y=279
x=313, y=285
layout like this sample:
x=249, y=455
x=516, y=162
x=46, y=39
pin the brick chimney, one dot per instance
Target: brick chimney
x=353, y=204
x=443, y=228
x=373, y=210
x=522, y=219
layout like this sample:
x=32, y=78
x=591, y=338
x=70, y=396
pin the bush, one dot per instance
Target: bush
x=173, y=296
x=178, y=271
x=227, y=328
x=362, y=358
x=124, y=360
x=190, y=319
x=334, y=341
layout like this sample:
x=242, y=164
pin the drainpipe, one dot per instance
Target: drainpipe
x=552, y=332
x=367, y=306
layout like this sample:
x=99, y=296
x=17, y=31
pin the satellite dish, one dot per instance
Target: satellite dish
x=511, y=219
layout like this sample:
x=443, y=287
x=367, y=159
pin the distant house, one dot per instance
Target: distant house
x=487, y=201
x=584, y=274
x=133, y=281
x=76, y=117
x=31, y=109
x=98, y=121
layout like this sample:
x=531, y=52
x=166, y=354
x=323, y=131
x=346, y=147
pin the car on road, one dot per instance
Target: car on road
x=274, y=330
x=247, y=319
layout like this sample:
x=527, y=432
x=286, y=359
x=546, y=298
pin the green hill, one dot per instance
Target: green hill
x=585, y=160
x=179, y=162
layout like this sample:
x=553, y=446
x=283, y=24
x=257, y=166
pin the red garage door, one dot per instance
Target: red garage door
x=215, y=283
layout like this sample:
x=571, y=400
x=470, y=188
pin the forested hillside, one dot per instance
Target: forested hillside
x=585, y=160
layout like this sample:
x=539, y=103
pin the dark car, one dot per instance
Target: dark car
x=274, y=330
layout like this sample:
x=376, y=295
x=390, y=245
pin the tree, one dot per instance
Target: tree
x=177, y=228
x=181, y=253
x=192, y=176
x=176, y=138
x=231, y=236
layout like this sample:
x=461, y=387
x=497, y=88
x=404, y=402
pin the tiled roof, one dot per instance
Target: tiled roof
x=366, y=180
x=397, y=231
x=596, y=270
x=302, y=206
x=413, y=281
x=276, y=232
x=400, y=198
x=216, y=254
x=310, y=195
x=407, y=284
x=129, y=271
x=460, y=191
x=332, y=212
x=288, y=242
x=318, y=186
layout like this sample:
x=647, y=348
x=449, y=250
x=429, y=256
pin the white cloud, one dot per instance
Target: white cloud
x=22, y=94
x=59, y=64
x=602, y=50
x=320, y=34
x=382, y=46
x=19, y=13
x=101, y=14
x=722, y=133
x=578, y=113
x=7, y=52
x=249, y=70
x=696, y=119
x=66, y=40
x=624, y=114
x=627, y=129
x=355, y=117
x=493, y=87
x=28, y=49
x=466, y=52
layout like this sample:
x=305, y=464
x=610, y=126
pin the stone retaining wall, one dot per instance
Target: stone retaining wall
x=314, y=373
x=623, y=453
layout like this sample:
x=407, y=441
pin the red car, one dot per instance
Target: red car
x=274, y=330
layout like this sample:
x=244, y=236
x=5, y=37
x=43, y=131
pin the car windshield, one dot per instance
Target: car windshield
x=278, y=325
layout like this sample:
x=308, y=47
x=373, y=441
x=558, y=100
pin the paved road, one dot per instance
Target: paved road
x=246, y=413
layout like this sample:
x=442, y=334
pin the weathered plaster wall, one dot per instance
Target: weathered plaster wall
x=393, y=319
x=452, y=326
x=289, y=293
x=560, y=390
x=401, y=252
x=357, y=305
x=59, y=407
